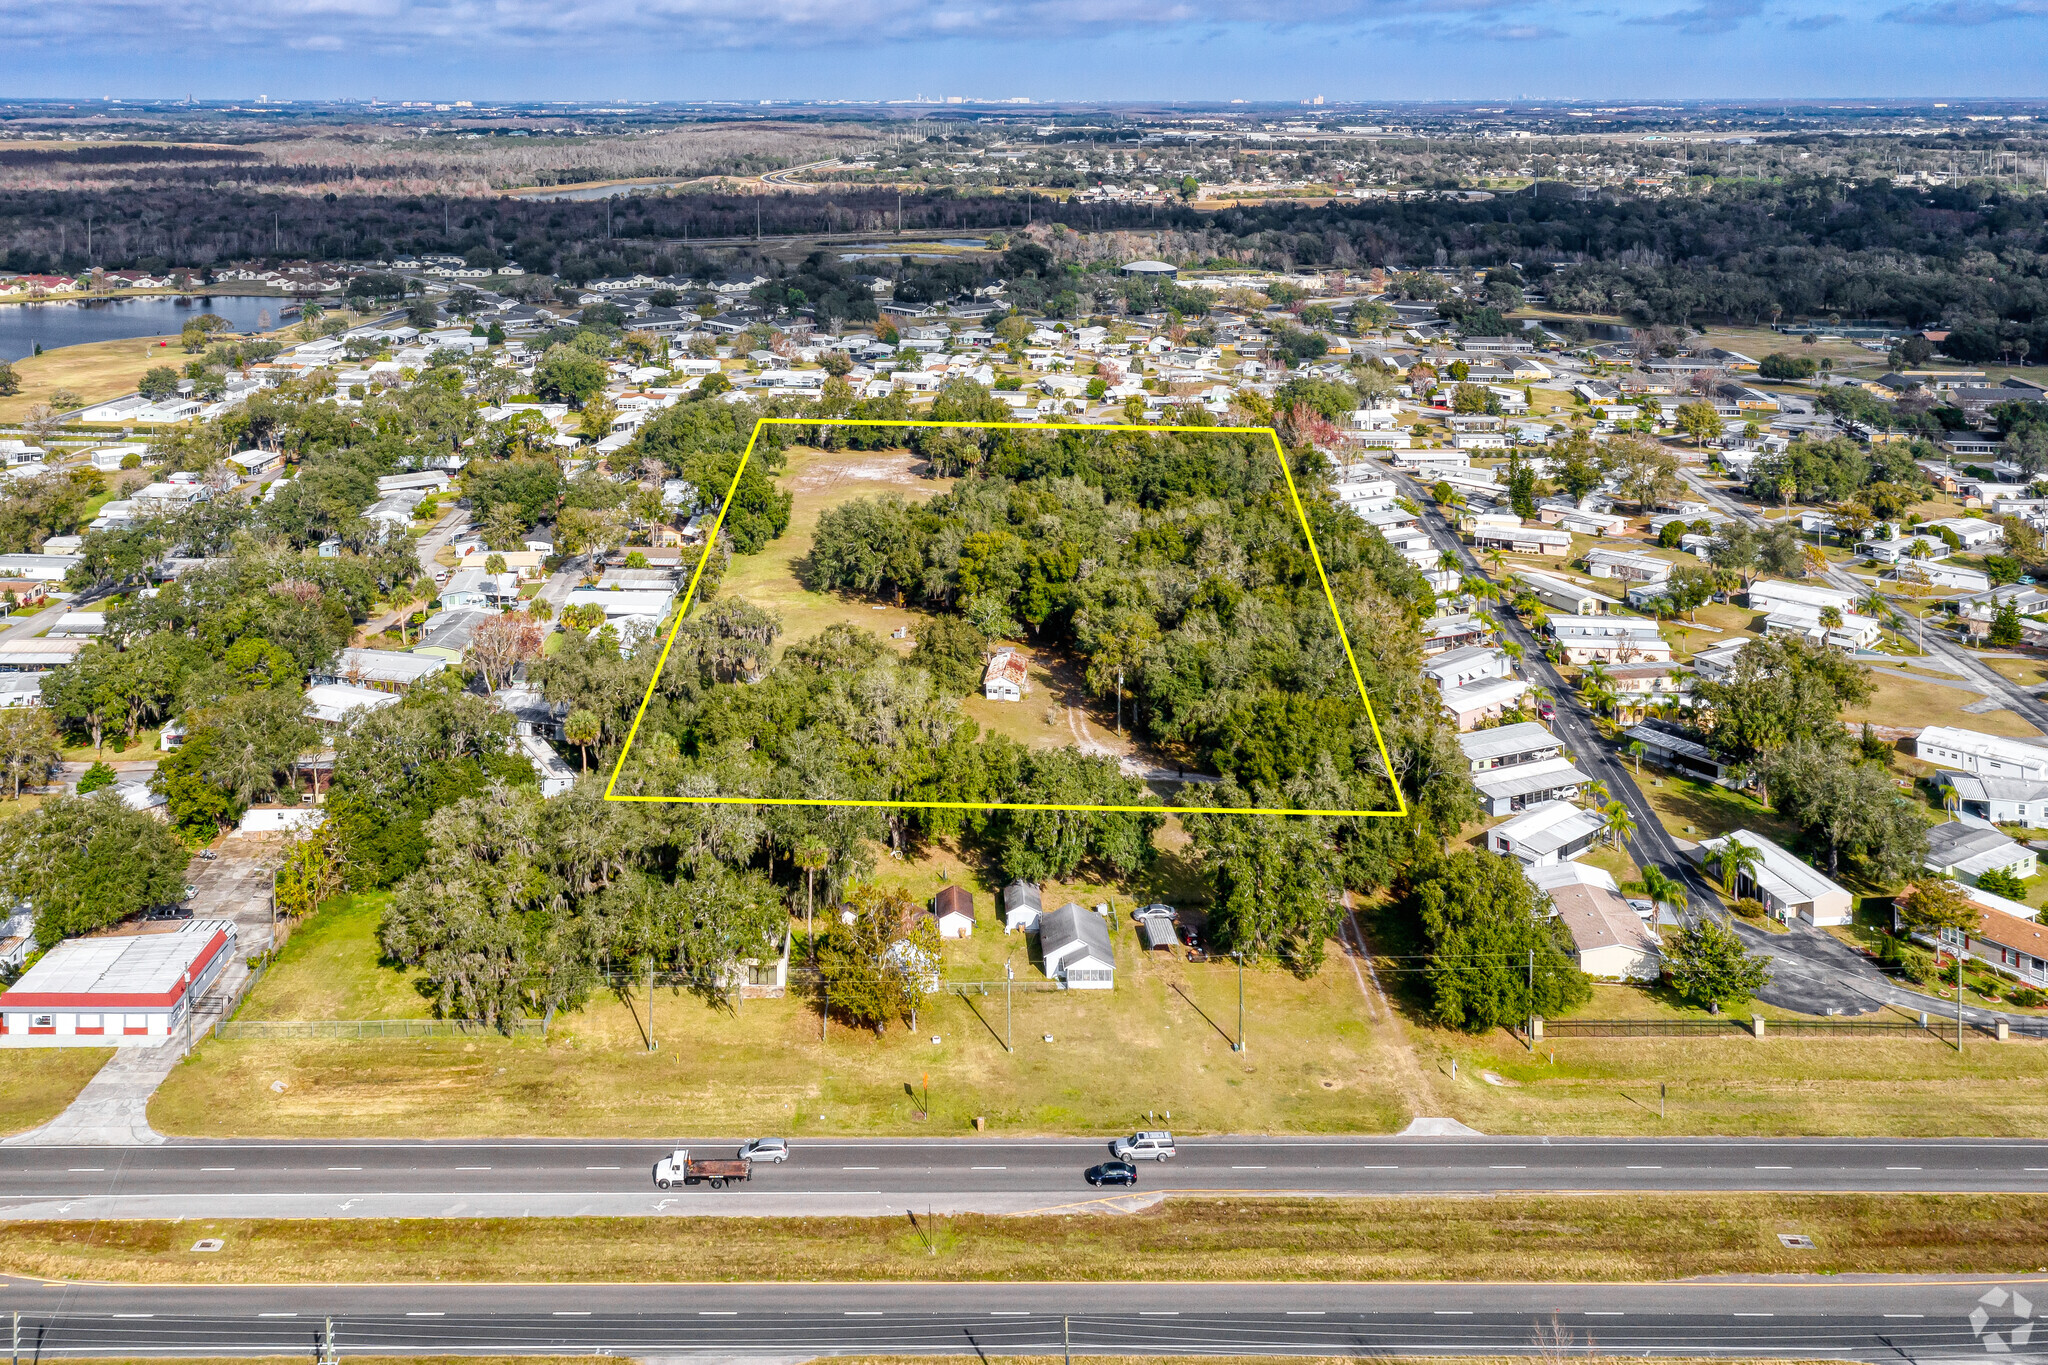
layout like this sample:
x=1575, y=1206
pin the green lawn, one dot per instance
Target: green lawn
x=331, y=968
x=37, y=1082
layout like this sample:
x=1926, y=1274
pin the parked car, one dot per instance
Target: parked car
x=1145, y=912
x=163, y=912
x=1113, y=1173
x=765, y=1149
x=1149, y=1146
x=1546, y=709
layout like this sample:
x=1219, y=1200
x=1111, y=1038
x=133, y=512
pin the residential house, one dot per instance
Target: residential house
x=333, y=705
x=619, y=603
x=1074, y=946
x=1679, y=753
x=1772, y=594
x=1454, y=630
x=1629, y=566
x=953, y=910
x=1519, y=539
x=1609, y=639
x=1458, y=667
x=1786, y=885
x=1611, y=940
x=1509, y=746
x=1505, y=790
x=381, y=670
x=1563, y=595
x=446, y=634
x=1936, y=574
x=1968, y=851
x=475, y=588
x=556, y=776
x=1548, y=832
x=1998, y=800
x=2006, y=937
x=1476, y=703
x=1971, y=751
x=1975, y=534
x=1006, y=678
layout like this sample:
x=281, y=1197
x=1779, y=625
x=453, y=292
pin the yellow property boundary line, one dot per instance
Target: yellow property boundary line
x=711, y=540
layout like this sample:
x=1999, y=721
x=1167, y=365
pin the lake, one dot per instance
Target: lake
x=23, y=325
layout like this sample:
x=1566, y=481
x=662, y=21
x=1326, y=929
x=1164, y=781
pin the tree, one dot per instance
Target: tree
x=1781, y=689
x=1616, y=823
x=1645, y=473
x=88, y=862
x=568, y=375
x=1484, y=929
x=1706, y=963
x=1937, y=903
x=1699, y=421
x=502, y=644
x=314, y=870
x=2005, y=627
x=29, y=746
x=97, y=776
x=1736, y=860
x=10, y=380
x=159, y=383
x=2001, y=882
x=1661, y=888
x=812, y=854
x=582, y=730
x=879, y=959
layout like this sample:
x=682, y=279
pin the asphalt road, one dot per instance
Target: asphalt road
x=869, y=1177
x=1890, y=1320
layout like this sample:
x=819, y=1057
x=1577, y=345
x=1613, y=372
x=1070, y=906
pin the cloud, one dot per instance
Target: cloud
x=425, y=26
x=1966, y=13
x=1813, y=23
x=1713, y=16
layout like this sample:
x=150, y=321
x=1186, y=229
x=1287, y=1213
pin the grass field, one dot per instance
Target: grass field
x=1192, y=1238
x=1700, y=810
x=37, y=1082
x=1916, y=702
x=1833, y=1087
x=1159, y=1042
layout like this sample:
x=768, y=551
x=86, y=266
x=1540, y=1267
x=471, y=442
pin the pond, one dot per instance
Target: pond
x=25, y=325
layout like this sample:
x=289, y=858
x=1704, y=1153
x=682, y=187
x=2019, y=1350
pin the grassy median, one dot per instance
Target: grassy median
x=1533, y=1238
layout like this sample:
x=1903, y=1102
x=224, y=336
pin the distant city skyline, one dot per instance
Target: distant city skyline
x=1046, y=50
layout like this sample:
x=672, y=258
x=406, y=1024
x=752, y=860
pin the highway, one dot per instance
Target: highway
x=1874, y=1320
x=307, y=1179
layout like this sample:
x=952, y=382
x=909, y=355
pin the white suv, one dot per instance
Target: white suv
x=1154, y=1146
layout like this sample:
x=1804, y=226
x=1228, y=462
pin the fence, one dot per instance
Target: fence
x=273, y=1030
x=1935, y=1025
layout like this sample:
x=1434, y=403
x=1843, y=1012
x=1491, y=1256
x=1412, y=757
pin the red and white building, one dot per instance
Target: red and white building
x=116, y=990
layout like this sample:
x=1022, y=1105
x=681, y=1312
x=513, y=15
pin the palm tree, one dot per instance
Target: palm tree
x=1619, y=824
x=1636, y=751
x=1447, y=561
x=1496, y=561
x=1596, y=793
x=582, y=730
x=811, y=854
x=1831, y=618
x=1736, y=859
x=1661, y=889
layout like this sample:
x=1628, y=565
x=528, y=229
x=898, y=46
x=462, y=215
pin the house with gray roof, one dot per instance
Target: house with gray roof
x=1074, y=945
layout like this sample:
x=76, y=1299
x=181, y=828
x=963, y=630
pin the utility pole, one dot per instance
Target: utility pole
x=1009, y=977
x=1066, y=1341
x=650, y=1005
x=17, y=1338
x=327, y=1356
x=1959, y=997
x=1239, y=955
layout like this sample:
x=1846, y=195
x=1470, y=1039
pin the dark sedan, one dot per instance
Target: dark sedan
x=1113, y=1173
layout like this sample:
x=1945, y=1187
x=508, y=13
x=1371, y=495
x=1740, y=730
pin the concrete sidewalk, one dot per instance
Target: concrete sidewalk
x=113, y=1109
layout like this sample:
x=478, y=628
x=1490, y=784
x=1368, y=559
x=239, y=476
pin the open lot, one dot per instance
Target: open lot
x=1084, y=1060
x=1502, y=1238
x=37, y=1082
x=1919, y=702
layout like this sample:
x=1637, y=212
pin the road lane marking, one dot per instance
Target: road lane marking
x=1902, y=1168
x=600, y=1168
x=277, y=1315
x=86, y=1170
x=1905, y=1315
x=571, y=1313
x=1646, y=1168
x=1009, y=1312
x=1452, y=1313
x=1159, y=1313
x=1304, y=1312
x=860, y=1168
x=1756, y=1315
x=472, y=1168
x=1773, y=1168
x=426, y=1315
x=216, y=1168
x=344, y=1168
x=1247, y=1168
x=1507, y=1168
x=718, y=1312
x=134, y=1315
x=1379, y=1168
x=862, y=1313
x=971, y=1168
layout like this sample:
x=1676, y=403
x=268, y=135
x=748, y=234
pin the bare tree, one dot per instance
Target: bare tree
x=500, y=644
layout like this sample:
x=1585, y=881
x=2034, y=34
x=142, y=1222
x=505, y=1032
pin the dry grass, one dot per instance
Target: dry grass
x=1531, y=1238
x=1916, y=1086
x=1700, y=810
x=37, y=1082
x=1316, y=1065
x=1916, y=703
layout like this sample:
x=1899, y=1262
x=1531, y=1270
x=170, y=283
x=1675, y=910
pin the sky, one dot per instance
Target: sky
x=1343, y=50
